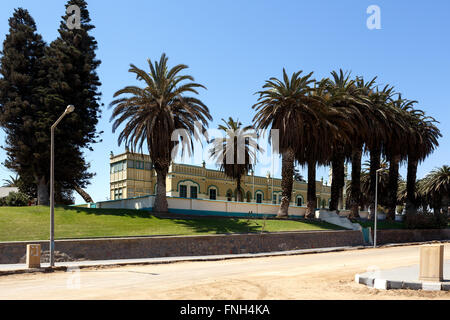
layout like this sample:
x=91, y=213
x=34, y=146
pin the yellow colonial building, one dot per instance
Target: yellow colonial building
x=132, y=175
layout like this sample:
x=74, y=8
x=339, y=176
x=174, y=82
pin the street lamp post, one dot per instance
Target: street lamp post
x=376, y=208
x=69, y=109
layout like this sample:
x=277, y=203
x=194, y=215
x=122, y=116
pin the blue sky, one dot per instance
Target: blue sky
x=232, y=47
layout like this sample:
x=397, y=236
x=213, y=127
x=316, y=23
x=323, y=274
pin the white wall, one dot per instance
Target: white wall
x=201, y=205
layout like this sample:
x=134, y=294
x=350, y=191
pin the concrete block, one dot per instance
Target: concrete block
x=366, y=281
x=380, y=284
x=357, y=226
x=431, y=286
x=33, y=255
x=445, y=286
x=432, y=263
x=412, y=285
x=324, y=214
x=395, y=284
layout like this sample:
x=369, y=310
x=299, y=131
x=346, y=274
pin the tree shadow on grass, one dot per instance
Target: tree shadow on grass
x=131, y=213
x=223, y=225
x=197, y=224
x=220, y=225
x=381, y=224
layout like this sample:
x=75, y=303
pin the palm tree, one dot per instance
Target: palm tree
x=289, y=106
x=86, y=197
x=380, y=130
x=320, y=134
x=285, y=105
x=152, y=114
x=359, y=139
x=420, y=200
x=423, y=139
x=395, y=149
x=298, y=176
x=436, y=186
x=348, y=99
x=365, y=199
x=12, y=181
x=236, y=152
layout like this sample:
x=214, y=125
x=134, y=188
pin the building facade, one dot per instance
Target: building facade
x=132, y=175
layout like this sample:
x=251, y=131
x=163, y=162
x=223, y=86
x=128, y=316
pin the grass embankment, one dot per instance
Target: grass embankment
x=32, y=223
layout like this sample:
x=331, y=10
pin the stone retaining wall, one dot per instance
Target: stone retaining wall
x=402, y=236
x=171, y=246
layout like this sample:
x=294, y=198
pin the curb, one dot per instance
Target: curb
x=367, y=281
x=182, y=259
x=383, y=284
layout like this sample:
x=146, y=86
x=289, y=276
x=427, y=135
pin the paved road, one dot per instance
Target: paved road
x=309, y=276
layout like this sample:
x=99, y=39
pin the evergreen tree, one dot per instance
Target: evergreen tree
x=38, y=83
x=72, y=64
x=21, y=85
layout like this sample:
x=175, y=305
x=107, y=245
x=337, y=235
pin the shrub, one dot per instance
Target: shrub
x=426, y=220
x=16, y=199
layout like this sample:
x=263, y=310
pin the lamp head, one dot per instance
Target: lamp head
x=70, y=108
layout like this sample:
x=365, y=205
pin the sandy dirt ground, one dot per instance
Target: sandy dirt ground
x=300, y=277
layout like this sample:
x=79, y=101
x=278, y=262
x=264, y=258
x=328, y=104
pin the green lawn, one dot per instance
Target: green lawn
x=32, y=223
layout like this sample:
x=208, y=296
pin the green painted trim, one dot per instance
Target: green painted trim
x=299, y=196
x=217, y=190
x=260, y=192
x=181, y=181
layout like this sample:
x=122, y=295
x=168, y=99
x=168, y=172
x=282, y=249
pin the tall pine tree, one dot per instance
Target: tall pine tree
x=72, y=64
x=38, y=83
x=21, y=85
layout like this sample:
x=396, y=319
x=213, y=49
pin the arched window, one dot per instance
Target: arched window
x=193, y=192
x=188, y=189
x=212, y=194
x=276, y=197
x=299, y=201
x=249, y=196
x=259, y=197
x=183, y=191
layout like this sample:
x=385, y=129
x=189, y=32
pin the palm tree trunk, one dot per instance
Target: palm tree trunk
x=444, y=204
x=287, y=179
x=161, y=205
x=374, y=166
x=311, y=193
x=86, y=197
x=356, y=183
x=238, y=189
x=337, y=180
x=411, y=202
x=393, y=186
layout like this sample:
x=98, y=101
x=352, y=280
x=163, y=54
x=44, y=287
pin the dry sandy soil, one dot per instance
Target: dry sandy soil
x=300, y=277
